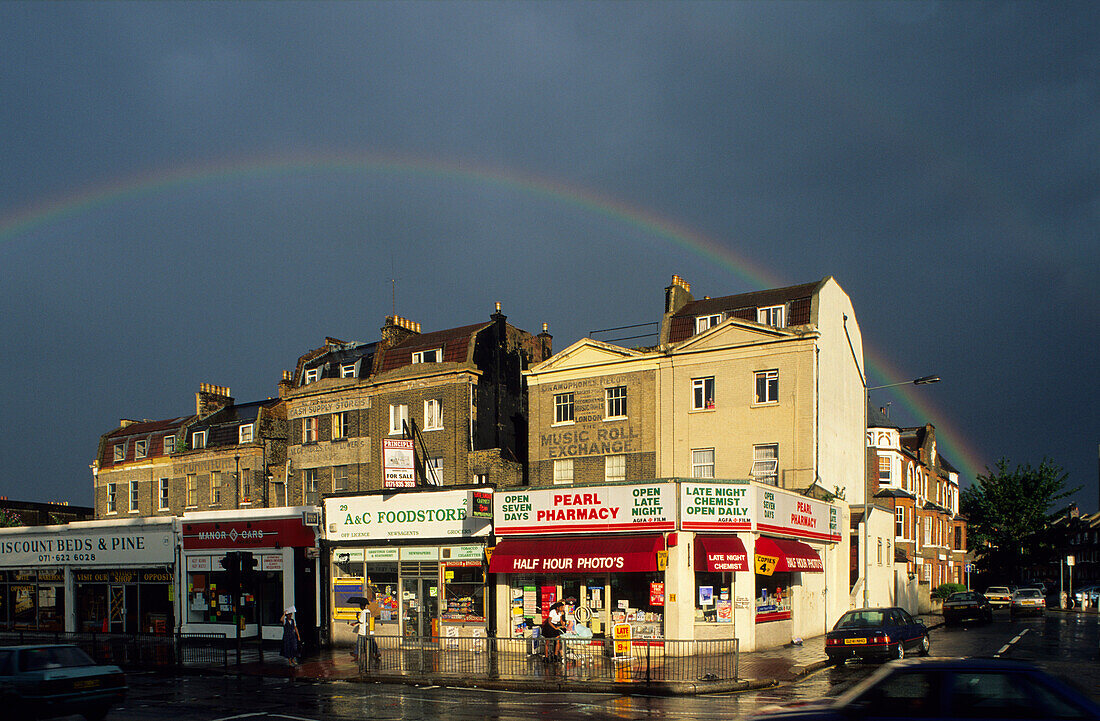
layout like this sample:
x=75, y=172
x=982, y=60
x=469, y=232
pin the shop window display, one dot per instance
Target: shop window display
x=773, y=598
x=630, y=594
x=714, y=597
x=464, y=593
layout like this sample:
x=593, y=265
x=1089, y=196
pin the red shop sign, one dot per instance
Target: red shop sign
x=266, y=533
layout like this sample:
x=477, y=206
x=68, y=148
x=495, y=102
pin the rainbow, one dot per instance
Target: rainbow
x=26, y=220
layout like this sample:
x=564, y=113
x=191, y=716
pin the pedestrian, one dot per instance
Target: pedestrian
x=364, y=640
x=552, y=627
x=292, y=642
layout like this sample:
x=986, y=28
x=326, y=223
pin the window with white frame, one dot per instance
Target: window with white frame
x=767, y=387
x=705, y=322
x=399, y=416
x=141, y=449
x=120, y=452
x=169, y=444
x=245, y=480
x=771, y=315
x=340, y=478
x=112, y=498
x=133, y=496
x=433, y=414
x=928, y=532
x=884, y=470
x=899, y=522
x=433, y=471
x=347, y=370
x=880, y=551
x=191, y=488
x=563, y=470
x=614, y=468
x=615, y=402
x=215, y=487
x=340, y=425
x=765, y=463
x=481, y=478
x=309, y=487
x=245, y=433
x=309, y=429
x=702, y=463
x=435, y=355
x=198, y=440
x=702, y=393
x=909, y=477
x=162, y=494
x=563, y=408
x=312, y=375
x=927, y=572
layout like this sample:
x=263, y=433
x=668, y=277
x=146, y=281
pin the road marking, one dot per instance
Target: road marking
x=243, y=715
x=1008, y=645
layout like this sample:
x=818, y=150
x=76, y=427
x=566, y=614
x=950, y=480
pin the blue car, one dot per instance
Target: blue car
x=949, y=688
x=876, y=634
x=45, y=681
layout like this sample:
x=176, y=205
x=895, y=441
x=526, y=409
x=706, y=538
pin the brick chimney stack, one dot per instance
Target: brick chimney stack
x=677, y=295
x=211, y=398
x=286, y=384
x=396, y=330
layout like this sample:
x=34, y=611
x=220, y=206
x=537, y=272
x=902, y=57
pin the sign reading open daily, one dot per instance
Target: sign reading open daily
x=425, y=514
x=647, y=507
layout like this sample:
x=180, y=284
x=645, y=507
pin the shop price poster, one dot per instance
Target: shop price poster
x=656, y=594
x=706, y=595
x=529, y=600
x=725, y=611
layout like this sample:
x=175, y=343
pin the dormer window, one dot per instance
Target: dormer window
x=198, y=440
x=169, y=444
x=347, y=370
x=772, y=315
x=705, y=322
x=246, y=433
x=312, y=374
x=434, y=355
x=120, y=452
x=141, y=449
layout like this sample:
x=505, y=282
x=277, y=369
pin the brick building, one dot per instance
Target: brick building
x=459, y=392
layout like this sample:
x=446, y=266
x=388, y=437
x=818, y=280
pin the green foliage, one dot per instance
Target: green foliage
x=10, y=519
x=1008, y=516
x=946, y=589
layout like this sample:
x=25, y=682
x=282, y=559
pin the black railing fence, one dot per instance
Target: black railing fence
x=135, y=650
x=638, y=661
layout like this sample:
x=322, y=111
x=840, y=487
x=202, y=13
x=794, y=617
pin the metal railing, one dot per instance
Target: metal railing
x=134, y=650
x=637, y=661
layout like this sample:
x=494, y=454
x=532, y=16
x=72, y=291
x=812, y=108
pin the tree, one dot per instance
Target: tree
x=1009, y=514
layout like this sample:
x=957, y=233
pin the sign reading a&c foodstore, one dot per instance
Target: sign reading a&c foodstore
x=643, y=507
x=428, y=514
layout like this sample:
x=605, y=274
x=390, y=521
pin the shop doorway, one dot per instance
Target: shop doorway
x=420, y=599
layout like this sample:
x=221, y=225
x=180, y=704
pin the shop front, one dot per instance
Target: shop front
x=107, y=576
x=283, y=544
x=420, y=554
x=601, y=550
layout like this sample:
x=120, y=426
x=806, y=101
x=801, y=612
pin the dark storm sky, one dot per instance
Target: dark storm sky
x=202, y=192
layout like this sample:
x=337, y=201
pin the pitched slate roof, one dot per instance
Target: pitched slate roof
x=877, y=419
x=744, y=306
x=455, y=343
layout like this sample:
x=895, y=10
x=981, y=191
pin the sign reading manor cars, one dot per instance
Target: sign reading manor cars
x=256, y=533
x=428, y=514
x=646, y=507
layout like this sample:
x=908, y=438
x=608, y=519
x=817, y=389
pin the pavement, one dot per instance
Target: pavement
x=757, y=669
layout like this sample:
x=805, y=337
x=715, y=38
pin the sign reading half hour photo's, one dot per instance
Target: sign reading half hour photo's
x=398, y=463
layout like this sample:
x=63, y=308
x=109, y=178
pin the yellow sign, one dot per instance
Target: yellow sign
x=662, y=560
x=489, y=553
x=622, y=634
x=765, y=565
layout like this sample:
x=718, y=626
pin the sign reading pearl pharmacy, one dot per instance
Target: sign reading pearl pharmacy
x=647, y=507
x=427, y=514
x=793, y=514
x=716, y=506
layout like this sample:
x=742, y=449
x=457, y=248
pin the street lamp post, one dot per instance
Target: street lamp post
x=923, y=380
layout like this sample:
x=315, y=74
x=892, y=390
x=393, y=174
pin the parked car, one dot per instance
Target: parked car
x=999, y=596
x=45, y=681
x=1028, y=600
x=1090, y=593
x=966, y=606
x=939, y=688
x=876, y=634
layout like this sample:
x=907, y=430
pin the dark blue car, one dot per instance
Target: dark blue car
x=876, y=634
x=56, y=680
x=949, y=688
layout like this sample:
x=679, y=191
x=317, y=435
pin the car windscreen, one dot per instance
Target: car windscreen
x=996, y=589
x=1028, y=593
x=963, y=596
x=39, y=659
x=861, y=619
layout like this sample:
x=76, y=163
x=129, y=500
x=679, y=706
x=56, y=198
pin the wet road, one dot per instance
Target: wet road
x=1064, y=645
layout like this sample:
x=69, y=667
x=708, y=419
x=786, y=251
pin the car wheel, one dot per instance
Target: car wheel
x=900, y=653
x=925, y=646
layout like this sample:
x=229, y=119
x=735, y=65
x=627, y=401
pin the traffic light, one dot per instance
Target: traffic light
x=248, y=563
x=231, y=562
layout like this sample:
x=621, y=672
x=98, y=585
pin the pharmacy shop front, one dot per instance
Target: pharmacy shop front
x=600, y=550
x=420, y=553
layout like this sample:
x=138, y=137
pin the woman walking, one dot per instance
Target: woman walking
x=292, y=642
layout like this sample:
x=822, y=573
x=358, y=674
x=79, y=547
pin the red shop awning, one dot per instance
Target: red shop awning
x=720, y=553
x=597, y=554
x=792, y=555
